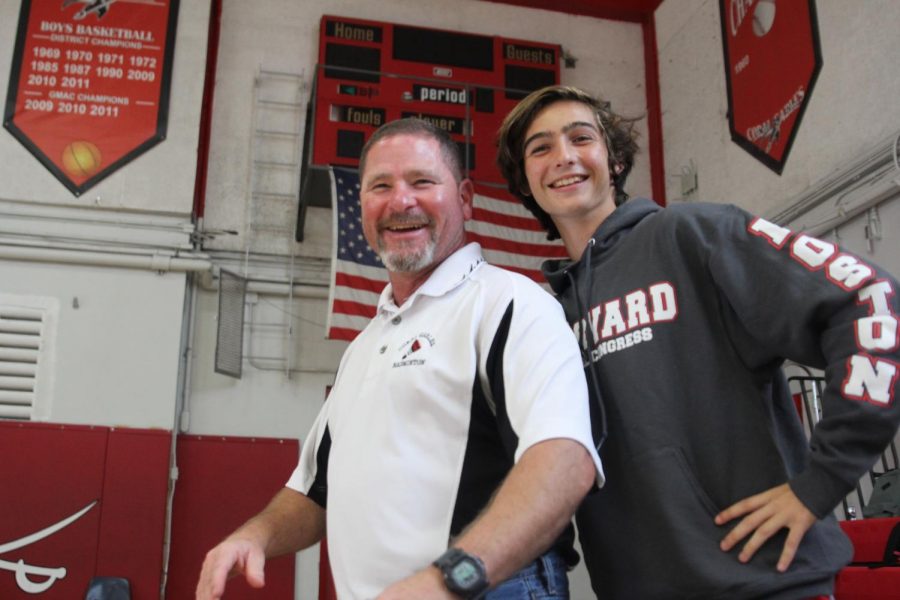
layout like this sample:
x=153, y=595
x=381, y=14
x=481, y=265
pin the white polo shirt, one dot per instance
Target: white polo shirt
x=433, y=403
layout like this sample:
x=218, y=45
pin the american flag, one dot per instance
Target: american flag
x=509, y=237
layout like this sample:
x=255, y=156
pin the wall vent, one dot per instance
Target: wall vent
x=230, y=324
x=27, y=336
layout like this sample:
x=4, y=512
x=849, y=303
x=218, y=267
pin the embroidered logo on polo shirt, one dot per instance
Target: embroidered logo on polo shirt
x=415, y=351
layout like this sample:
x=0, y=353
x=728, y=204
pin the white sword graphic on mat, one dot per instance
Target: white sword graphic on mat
x=23, y=570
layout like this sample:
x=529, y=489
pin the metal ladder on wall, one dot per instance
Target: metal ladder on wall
x=276, y=155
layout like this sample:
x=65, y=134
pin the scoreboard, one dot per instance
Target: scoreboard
x=372, y=72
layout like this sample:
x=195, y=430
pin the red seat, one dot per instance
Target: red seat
x=858, y=582
x=869, y=537
x=864, y=583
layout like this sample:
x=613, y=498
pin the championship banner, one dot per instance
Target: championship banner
x=89, y=86
x=772, y=60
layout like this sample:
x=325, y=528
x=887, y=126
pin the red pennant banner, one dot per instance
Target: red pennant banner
x=772, y=60
x=89, y=87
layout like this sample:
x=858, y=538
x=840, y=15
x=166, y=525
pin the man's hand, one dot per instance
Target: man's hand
x=231, y=557
x=290, y=522
x=427, y=584
x=764, y=515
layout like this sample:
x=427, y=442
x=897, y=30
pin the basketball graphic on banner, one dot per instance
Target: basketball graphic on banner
x=763, y=17
x=81, y=158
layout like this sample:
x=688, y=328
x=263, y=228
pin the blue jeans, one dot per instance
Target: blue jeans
x=544, y=579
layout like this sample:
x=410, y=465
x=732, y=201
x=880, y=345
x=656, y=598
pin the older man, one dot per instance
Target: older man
x=455, y=445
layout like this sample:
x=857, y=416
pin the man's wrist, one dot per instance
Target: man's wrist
x=464, y=574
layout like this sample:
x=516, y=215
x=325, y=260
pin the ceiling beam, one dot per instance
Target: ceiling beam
x=618, y=10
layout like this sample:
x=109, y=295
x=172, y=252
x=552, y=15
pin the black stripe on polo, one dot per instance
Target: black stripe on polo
x=318, y=491
x=491, y=445
x=489, y=456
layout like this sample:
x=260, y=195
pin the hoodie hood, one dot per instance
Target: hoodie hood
x=622, y=220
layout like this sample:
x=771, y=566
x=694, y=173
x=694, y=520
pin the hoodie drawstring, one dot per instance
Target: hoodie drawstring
x=586, y=353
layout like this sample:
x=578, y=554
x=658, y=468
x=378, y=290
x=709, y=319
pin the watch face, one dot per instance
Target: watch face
x=465, y=574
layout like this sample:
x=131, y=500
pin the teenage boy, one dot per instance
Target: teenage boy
x=685, y=316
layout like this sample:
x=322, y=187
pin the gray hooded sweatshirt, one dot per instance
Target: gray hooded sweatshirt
x=685, y=316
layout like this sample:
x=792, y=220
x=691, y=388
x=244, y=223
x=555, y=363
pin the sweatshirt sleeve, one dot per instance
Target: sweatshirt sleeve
x=788, y=295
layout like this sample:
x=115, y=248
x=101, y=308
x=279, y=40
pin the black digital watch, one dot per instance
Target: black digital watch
x=464, y=574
